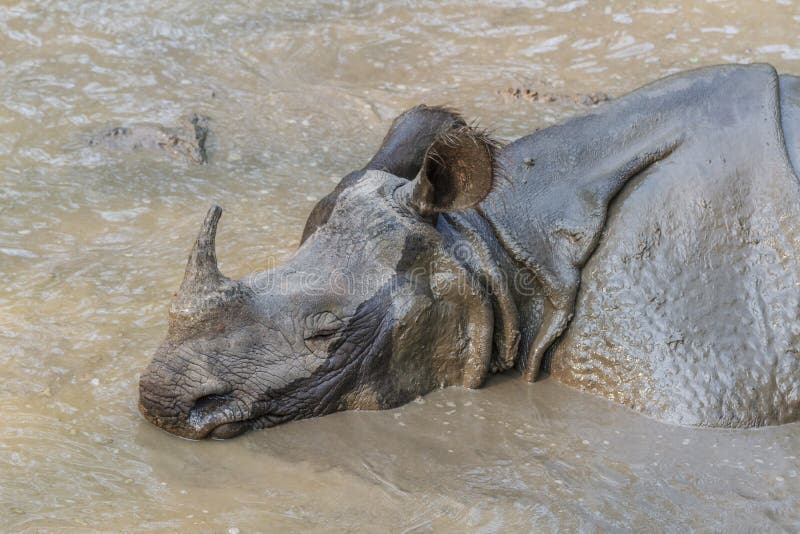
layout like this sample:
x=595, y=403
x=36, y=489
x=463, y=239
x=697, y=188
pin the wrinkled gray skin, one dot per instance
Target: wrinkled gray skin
x=447, y=258
x=186, y=141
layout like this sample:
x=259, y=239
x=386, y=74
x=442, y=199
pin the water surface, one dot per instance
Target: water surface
x=93, y=244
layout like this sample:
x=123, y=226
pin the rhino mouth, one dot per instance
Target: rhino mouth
x=216, y=416
x=232, y=429
x=222, y=417
x=229, y=430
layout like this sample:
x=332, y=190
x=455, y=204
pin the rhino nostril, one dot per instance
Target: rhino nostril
x=208, y=403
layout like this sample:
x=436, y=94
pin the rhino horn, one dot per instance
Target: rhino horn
x=202, y=275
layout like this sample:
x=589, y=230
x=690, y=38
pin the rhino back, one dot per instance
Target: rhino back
x=689, y=308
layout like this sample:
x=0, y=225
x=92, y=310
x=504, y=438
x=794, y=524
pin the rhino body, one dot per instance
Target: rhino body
x=647, y=251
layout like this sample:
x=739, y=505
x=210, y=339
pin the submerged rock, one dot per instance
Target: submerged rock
x=187, y=140
x=533, y=95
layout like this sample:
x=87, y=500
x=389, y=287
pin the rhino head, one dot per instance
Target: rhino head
x=373, y=310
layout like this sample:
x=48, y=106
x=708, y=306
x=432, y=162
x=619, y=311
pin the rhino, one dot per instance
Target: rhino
x=647, y=252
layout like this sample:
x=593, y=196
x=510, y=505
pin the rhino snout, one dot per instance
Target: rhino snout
x=204, y=407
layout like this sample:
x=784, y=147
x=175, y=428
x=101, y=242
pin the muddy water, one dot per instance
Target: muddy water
x=92, y=245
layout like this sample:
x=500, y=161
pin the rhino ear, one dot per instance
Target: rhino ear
x=457, y=173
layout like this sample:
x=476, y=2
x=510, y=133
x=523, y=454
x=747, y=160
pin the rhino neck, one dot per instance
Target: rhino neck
x=471, y=239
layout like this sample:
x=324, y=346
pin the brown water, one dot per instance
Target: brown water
x=92, y=245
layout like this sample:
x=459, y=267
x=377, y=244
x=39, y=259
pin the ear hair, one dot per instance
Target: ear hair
x=458, y=171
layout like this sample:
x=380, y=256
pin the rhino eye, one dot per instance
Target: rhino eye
x=321, y=335
x=322, y=326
